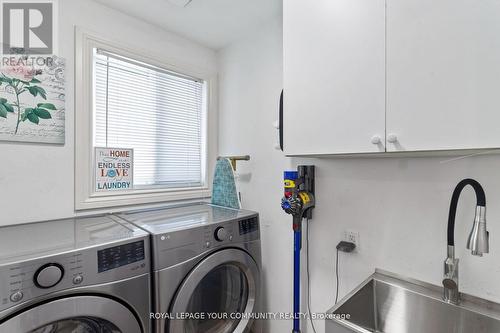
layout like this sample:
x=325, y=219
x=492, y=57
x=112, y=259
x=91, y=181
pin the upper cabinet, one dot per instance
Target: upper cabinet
x=420, y=75
x=443, y=74
x=334, y=76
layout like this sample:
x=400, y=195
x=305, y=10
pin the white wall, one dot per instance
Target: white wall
x=36, y=181
x=249, y=86
x=399, y=205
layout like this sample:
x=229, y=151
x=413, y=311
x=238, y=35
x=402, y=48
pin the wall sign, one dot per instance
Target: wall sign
x=113, y=169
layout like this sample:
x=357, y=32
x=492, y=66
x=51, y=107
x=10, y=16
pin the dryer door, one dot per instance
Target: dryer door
x=90, y=314
x=219, y=295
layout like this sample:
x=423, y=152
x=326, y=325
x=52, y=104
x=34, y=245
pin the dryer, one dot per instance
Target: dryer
x=206, y=267
x=87, y=274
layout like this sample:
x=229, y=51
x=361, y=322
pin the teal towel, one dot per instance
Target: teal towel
x=224, y=192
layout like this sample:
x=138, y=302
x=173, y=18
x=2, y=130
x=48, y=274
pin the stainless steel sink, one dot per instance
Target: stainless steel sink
x=388, y=303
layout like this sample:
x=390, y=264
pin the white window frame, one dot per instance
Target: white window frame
x=85, y=195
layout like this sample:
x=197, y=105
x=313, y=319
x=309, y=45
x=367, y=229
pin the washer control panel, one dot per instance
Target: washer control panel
x=77, y=279
x=24, y=280
x=117, y=256
x=16, y=296
x=48, y=276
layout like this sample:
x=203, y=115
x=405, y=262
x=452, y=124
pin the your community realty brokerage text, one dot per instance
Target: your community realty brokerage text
x=240, y=315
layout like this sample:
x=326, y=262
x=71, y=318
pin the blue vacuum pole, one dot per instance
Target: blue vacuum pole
x=298, y=201
x=297, y=246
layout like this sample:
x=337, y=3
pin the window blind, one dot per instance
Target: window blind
x=157, y=113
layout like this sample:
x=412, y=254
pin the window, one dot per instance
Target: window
x=160, y=107
x=158, y=113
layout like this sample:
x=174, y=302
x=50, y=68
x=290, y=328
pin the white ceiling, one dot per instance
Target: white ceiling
x=213, y=23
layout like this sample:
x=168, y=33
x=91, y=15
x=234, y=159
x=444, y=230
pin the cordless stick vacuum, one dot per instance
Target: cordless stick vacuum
x=298, y=202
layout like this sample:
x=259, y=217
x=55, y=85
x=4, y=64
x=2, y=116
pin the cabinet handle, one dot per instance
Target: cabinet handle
x=392, y=138
x=376, y=139
x=281, y=121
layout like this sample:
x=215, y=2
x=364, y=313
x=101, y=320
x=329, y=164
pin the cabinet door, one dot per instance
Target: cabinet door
x=443, y=74
x=334, y=76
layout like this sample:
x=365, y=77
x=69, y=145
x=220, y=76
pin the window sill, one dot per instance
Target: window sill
x=139, y=198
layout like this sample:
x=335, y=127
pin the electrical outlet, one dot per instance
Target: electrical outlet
x=352, y=236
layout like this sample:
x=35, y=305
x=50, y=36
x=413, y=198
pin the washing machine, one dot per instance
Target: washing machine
x=87, y=275
x=206, y=268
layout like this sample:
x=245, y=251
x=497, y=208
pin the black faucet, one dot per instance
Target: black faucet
x=477, y=242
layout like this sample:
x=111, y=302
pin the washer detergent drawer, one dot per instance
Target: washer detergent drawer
x=74, y=314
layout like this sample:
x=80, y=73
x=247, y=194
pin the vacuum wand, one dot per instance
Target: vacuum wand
x=297, y=247
x=298, y=201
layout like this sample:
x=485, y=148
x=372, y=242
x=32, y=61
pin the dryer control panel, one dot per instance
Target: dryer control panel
x=243, y=230
x=248, y=225
x=180, y=245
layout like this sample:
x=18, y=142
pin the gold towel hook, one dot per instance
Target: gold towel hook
x=233, y=159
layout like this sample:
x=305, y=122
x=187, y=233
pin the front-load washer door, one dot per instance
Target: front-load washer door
x=218, y=296
x=88, y=314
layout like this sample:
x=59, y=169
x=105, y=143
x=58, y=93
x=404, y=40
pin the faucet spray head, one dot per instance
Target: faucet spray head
x=478, y=241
